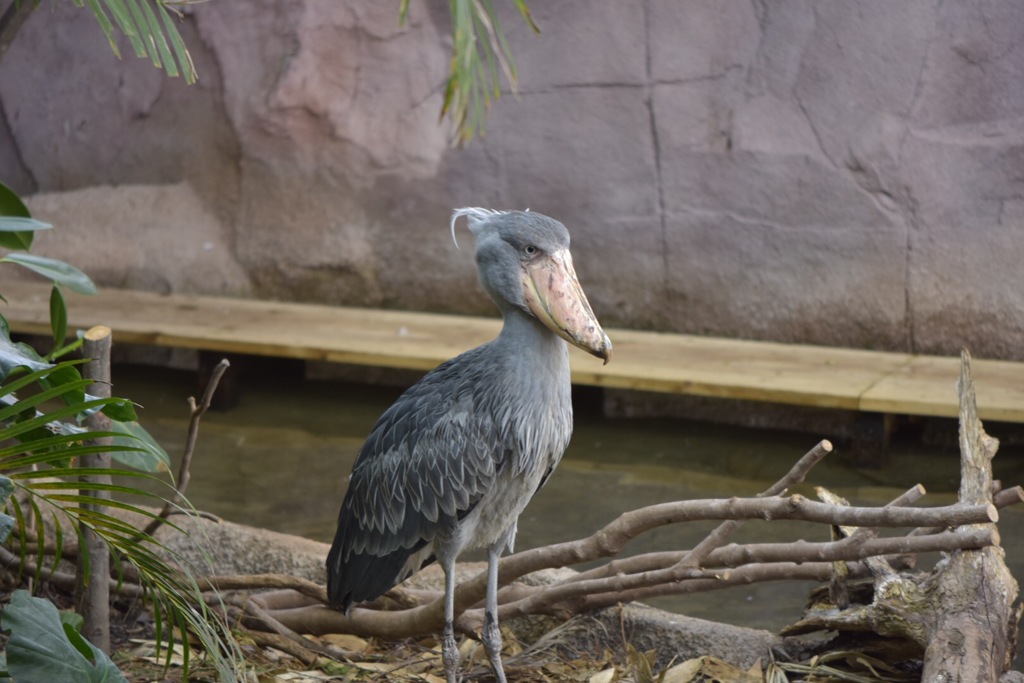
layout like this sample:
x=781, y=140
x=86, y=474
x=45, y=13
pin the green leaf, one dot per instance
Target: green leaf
x=121, y=410
x=58, y=271
x=17, y=233
x=148, y=27
x=40, y=648
x=479, y=51
x=6, y=521
x=56, y=391
x=58, y=318
x=527, y=15
x=17, y=224
x=152, y=459
x=128, y=27
x=11, y=357
x=77, y=641
x=6, y=526
x=180, y=50
x=72, y=619
x=105, y=25
x=66, y=376
x=18, y=383
x=158, y=44
x=17, y=221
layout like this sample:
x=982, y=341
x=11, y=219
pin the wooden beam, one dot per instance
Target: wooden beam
x=795, y=374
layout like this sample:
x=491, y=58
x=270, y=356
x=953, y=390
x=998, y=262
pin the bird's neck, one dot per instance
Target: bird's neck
x=526, y=338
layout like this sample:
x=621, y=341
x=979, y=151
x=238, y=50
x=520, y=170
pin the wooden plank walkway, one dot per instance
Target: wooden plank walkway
x=763, y=371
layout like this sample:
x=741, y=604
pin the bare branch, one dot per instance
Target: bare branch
x=185, y=469
x=576, y=594
x=726, y=529
x=261, y=581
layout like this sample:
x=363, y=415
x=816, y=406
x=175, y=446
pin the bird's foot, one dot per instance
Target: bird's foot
x=450, y=655
x=490, y=636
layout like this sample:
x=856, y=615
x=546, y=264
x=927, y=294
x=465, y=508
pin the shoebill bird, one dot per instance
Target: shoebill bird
x=452, y=464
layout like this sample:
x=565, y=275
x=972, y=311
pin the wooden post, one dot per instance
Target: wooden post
x=92, y=592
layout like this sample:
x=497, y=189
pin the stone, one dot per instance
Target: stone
x=835, y=173
x=186, y=249
x=103, y=121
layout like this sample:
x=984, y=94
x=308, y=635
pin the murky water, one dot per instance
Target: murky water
x=279, y=461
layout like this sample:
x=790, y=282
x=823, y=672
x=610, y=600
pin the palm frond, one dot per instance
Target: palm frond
x=51, y=488
x=480, y=53
x=149, y=28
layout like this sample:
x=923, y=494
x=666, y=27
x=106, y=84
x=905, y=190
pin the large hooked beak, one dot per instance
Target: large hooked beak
x=553, y=293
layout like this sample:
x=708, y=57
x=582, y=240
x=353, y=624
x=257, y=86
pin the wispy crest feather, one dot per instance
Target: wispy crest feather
x=474, y=217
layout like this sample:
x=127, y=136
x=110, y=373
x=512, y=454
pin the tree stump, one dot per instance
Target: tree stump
x=974, y=596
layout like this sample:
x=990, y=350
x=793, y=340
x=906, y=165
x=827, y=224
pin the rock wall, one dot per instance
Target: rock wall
x=847, y=173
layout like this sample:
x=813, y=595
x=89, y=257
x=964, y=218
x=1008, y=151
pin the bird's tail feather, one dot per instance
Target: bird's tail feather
x=365, y=577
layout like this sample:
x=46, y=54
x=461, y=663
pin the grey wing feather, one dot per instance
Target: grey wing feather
x=429, y=459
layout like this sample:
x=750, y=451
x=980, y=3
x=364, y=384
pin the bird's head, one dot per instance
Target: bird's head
x=524, y=263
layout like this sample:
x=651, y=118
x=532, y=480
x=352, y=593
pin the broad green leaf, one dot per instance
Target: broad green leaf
x=76, y=640
x=12, y=357
x=58, y=271
x=121, y=410
x=21, y=223
x=14, y=210
x=72, y=619
x=70, y=378
x=39, y=648
x=153, y=459
x=17, y=233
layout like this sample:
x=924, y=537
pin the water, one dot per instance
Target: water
x=280, y=458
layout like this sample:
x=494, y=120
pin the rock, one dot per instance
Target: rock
x=795, y=171
x=217, y=548
x=185, y=250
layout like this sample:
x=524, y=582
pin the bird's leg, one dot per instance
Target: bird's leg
x=449, y=650
x=491, y=634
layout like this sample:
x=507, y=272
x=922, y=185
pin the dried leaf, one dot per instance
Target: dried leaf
x=711, y=669
x=345, y=642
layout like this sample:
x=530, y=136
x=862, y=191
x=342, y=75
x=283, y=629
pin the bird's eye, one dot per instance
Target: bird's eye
x=531, y=250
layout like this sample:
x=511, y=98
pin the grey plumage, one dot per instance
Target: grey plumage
x=453, y=462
